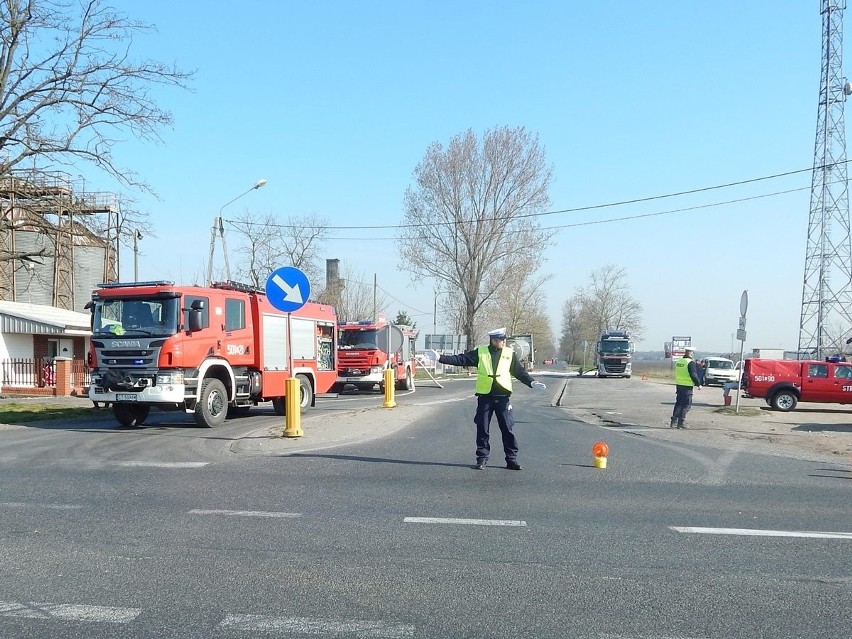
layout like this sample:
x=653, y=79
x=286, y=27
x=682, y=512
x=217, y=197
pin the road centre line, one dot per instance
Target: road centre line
x=471, y=522
x=68, y=612
x=322, y=627
x=154, y=464
x=763, y=533
x=243, y=513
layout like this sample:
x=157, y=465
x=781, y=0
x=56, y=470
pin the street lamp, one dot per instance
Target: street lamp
x=219, y=226
x=137, y=235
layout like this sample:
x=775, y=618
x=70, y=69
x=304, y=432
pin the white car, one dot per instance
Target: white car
x=718, y=370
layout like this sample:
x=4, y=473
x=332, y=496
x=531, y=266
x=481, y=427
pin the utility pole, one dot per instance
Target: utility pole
x=219, y=227
x=827, y=288
x=137, y=235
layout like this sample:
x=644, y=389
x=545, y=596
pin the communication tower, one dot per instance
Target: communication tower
x=827, y=289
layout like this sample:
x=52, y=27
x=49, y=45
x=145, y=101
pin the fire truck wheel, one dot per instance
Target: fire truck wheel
x=279, y=406
x=130, y=414
x=407, y=383
x=212, y=406
x=306, y=397
x=784, y=400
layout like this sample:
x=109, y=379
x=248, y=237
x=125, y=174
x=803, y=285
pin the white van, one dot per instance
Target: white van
x=718, y=370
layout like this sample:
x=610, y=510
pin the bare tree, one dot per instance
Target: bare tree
x=470, y=215
x=265, y=244
x=611, y=305
x=604, y=304
x=359, y=299
x=518, y=304
x=69, y=87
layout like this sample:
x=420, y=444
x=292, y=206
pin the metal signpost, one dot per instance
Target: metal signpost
x=393, y=338
x=287, y=289
x=741, y=335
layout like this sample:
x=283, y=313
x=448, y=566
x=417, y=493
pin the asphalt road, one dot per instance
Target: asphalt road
x=375, y=525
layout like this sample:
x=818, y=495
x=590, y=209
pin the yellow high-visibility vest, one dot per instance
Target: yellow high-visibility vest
x=682, y=376
x=486, y=374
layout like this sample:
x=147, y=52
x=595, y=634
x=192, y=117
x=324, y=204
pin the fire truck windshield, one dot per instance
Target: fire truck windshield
x=136, y=316
x=358, y=338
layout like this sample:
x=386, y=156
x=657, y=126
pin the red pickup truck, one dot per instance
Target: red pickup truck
x=785, y=382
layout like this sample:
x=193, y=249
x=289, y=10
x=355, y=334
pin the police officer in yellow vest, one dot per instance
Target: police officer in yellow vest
x=686, y=378
x=496, y=365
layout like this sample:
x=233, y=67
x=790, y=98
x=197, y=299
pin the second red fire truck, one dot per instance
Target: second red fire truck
x=362, y=355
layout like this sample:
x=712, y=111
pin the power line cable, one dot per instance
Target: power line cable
x=578, y=209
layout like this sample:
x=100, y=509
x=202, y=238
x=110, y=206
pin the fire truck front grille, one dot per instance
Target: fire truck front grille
x=128, y=357
x=353, y=361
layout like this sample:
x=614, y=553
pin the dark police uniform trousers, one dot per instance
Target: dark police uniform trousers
x=500, y=406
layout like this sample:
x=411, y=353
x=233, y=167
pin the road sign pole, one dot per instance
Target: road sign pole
x=390, y=376
x=293, y=392
x=287, y=289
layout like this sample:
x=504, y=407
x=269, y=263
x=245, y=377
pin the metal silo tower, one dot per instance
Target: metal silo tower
x=827, y=290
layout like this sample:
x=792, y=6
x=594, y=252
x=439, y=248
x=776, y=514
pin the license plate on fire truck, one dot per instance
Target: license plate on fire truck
x=126, y=397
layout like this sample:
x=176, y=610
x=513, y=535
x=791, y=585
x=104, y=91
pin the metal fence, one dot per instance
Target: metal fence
x=40, y=371
x=81, y=376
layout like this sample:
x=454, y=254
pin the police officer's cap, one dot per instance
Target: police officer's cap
x=497, y=333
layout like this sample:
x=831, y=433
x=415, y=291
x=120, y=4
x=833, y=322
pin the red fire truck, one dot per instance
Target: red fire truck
x=362, y=354
x=783, y=383
x=210, y=351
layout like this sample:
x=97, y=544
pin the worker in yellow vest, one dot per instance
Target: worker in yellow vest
x=496, y=365
x=686, y=377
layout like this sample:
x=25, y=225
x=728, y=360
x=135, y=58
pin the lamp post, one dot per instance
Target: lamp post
x=219, y=226
x=137, y=235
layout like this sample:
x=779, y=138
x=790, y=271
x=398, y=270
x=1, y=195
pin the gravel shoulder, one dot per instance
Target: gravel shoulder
x=811, y=431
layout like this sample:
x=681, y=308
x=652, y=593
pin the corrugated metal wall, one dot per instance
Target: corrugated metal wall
x=37, y=285
x=88, y=273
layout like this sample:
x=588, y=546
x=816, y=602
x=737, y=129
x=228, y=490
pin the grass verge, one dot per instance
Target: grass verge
x=21, y=413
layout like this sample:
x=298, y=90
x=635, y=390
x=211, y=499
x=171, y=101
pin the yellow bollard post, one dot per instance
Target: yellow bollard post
x=389, y=384
x=292, y=408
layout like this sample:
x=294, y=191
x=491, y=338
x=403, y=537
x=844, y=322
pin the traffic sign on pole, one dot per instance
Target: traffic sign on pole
x=287, y=289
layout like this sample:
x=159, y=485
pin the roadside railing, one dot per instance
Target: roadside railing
x=41, y=376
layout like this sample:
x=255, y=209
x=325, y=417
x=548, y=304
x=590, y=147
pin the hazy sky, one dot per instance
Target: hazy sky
x=335, y=103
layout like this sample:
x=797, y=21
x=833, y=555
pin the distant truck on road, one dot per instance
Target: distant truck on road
x=524, y=348
x=614, y=354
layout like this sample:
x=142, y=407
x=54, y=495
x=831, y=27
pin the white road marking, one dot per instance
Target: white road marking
x=472, y=522
x=444, y=401
x=21, y=504
x=68, y=612
x=154, y=464
x=243, y=513
x=322, y=627
x=763, y=533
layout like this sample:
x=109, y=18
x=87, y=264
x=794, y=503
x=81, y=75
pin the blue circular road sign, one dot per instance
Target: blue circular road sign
x=287, y=289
